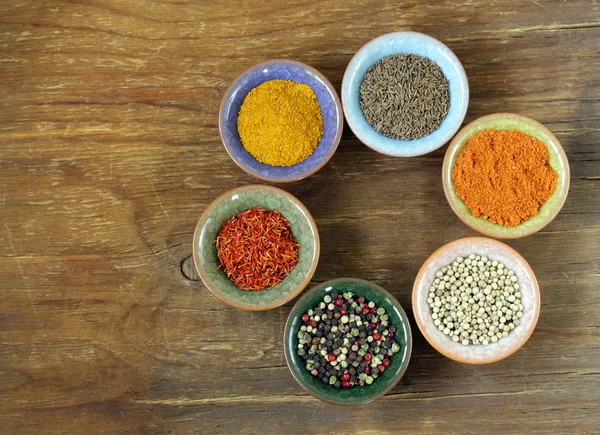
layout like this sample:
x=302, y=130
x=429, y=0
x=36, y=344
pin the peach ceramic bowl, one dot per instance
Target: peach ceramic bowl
x=494, y=250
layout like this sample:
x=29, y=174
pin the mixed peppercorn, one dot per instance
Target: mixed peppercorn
x=346, y=341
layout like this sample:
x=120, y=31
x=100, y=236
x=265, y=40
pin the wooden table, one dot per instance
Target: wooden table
x=110, y=152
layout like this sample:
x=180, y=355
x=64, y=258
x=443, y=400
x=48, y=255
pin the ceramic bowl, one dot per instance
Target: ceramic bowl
x=284, y=70
x=405, y=43
x=355, y=395
x=558, y=161
x=494, y=250
x=234, y=202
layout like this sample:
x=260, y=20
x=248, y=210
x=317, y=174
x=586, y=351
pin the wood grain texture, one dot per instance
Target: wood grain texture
x=109, y=152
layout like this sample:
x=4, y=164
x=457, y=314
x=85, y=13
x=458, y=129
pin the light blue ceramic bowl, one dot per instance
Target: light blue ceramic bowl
x=298, y=72
x=405, y=43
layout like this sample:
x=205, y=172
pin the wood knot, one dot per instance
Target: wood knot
x=188, y=270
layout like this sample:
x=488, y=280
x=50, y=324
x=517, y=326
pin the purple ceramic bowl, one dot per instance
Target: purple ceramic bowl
x=284, y=70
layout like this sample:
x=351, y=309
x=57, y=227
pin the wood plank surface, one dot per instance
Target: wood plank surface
x=109, y=153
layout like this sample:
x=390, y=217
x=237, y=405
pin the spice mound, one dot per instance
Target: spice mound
x=504, y=176
x=257, y=249
x=280, y=122
x=405, y=96
x=346, y=340
x=475, y=300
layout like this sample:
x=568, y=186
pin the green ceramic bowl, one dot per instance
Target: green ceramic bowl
x=234, y=202
x=558, y=161
x=354, y=395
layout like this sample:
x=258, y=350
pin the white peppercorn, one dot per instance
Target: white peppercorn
x=475, y=300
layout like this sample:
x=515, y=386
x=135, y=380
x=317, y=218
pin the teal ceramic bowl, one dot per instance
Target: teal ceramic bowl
x=355, y=395
x=558, y=161
x=234, y=202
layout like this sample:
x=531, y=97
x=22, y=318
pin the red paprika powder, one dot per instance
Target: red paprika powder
x=504, y=176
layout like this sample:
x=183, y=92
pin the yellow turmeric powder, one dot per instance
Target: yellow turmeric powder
x=504, y=176
x=280, y=122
